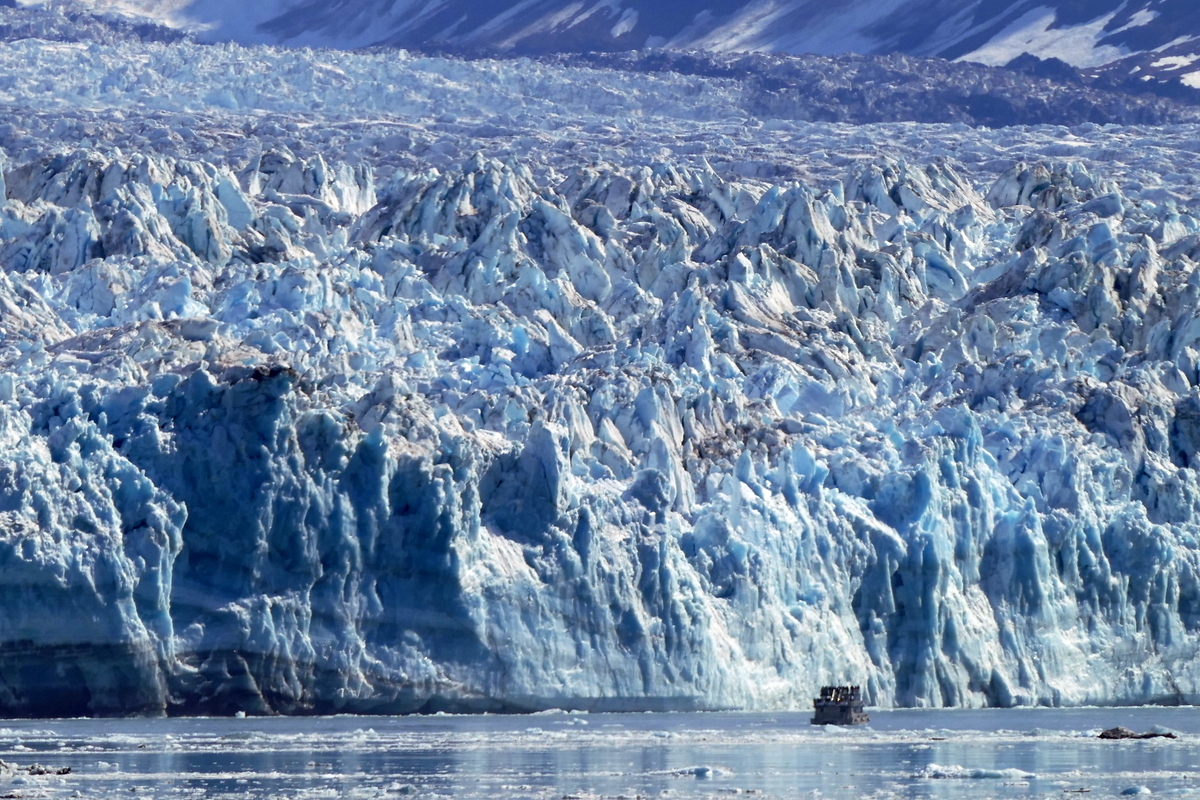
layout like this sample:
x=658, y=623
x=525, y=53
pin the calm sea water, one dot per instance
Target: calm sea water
x=902, y=754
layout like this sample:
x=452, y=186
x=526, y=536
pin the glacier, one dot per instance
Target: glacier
x=377, y=383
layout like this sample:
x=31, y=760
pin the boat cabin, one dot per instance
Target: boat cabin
x=839, y=705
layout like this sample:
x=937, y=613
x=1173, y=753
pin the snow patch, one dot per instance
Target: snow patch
x=1175, y=62
x=627, y=22
x=1035, y=32
x=1139, y=19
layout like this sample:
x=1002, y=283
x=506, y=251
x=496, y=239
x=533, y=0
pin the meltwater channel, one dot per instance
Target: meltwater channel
x=901, y=754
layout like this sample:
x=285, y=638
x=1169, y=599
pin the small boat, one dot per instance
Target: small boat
x=839, y=705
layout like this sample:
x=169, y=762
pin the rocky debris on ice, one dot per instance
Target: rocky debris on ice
x=36, y=770
x=1120, y=732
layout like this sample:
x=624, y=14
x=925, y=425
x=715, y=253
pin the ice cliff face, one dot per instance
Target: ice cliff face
x=288, y=434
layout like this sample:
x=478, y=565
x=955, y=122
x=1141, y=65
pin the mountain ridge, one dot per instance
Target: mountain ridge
x=945, y=28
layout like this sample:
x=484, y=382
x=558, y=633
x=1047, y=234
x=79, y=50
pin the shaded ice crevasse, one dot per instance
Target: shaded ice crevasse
x=285, y=440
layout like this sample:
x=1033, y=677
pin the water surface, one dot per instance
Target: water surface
x=901, y=754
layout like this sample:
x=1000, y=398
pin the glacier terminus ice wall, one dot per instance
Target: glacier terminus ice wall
x=588, y=418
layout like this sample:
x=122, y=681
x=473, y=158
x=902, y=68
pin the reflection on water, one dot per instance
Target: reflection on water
x=902, y=754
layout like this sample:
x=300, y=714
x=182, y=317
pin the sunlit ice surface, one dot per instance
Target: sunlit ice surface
x=908, y=754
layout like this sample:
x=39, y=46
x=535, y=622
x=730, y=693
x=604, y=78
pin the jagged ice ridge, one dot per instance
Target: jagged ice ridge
x=289, y=434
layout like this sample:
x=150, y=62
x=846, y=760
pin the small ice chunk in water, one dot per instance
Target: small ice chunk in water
x=938, y=771
x=702, y=772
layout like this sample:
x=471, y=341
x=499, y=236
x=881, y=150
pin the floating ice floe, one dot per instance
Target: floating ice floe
x=953, y=771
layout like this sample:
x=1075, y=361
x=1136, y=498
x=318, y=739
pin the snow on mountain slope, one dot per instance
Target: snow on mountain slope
x=652, y=403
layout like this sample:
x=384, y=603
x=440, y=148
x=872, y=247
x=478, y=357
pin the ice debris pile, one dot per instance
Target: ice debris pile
x=284, y=439
x=72, y=21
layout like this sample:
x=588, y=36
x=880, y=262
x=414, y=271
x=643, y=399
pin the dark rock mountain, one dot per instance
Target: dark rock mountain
x=1084, y=33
